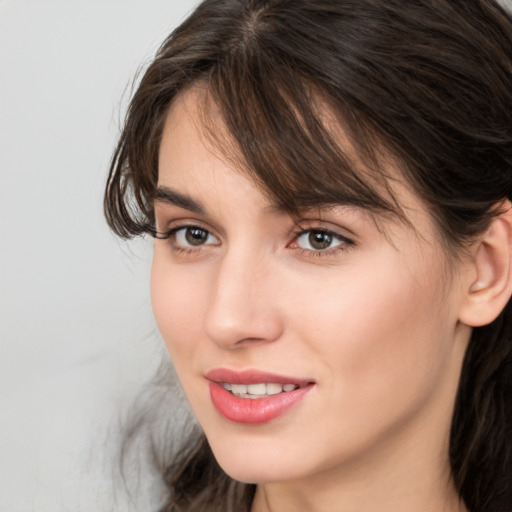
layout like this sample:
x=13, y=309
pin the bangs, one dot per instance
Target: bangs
x=291, y=140
x=329, y=103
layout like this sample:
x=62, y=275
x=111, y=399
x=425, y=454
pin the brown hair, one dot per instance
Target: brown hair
x=428, y=82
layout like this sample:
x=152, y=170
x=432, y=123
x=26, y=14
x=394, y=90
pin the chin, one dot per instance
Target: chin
x=249, y=473
x=256, y=461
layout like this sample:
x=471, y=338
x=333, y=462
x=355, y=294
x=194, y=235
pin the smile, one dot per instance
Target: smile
x=254, y=397
x=258, y=390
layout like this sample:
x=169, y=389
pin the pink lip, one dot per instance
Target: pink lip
x=253, y=411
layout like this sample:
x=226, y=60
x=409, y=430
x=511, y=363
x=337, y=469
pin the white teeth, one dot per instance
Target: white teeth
x=258, y=390
x=239, y=389
x=274, y=389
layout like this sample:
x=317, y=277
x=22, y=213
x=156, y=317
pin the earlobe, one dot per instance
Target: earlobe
x=490, y=276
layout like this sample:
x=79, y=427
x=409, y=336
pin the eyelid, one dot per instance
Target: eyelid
x=167, y=215
x=171, y=225
x=166, y=235
x=334, y=234
x=302, y=228
x=305, y=225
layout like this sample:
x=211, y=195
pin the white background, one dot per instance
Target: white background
x=76, y=332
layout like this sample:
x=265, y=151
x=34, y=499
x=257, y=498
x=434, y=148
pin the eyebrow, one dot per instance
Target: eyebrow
x=167, y=195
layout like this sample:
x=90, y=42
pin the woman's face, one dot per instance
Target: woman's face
x=350, y=319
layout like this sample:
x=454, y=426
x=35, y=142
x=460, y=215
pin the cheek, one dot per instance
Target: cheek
x=176, y=306
x=384, y=339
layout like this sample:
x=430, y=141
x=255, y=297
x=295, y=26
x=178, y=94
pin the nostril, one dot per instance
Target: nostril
x=242, y=331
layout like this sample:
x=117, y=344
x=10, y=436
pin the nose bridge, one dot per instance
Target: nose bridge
x=241, y=308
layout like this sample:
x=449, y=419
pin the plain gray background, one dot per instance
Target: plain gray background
x=76, y=332
x=77, y=336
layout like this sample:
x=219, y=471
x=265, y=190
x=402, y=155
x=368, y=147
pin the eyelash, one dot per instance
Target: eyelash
x=170, y=237
x=344, y=242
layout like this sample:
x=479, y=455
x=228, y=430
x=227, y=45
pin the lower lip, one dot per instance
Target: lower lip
x=254, y=411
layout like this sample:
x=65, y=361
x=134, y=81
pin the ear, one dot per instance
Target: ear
x=489, y=283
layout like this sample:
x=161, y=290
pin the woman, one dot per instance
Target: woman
x=328, y=183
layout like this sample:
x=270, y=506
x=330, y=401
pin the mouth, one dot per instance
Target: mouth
x=260, y=390
x=254, y=397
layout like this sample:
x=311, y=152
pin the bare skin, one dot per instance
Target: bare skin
x=378, y=319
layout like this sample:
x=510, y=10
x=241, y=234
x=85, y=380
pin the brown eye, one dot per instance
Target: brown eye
x=319, y=240
x=194, y=236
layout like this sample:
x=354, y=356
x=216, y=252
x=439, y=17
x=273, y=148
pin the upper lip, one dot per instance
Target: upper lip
x=253, y=377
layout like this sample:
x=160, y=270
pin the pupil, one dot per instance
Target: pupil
x=196, y=236
x=320, y=240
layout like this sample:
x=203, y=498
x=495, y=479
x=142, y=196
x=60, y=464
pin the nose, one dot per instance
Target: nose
x=243, y=307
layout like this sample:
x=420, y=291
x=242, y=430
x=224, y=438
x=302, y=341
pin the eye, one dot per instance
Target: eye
x=317, y=240
x=192, y=236
x=320, y=241
x=187, y=238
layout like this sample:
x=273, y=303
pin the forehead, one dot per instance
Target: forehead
x=196, y=138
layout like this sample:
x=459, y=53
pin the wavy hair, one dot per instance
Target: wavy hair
x=428, y=82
